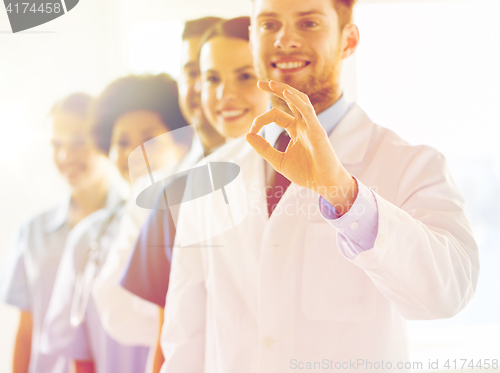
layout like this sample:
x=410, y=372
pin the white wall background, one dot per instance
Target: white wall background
x=428, y=70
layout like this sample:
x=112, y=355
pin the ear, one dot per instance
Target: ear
x=350, y=40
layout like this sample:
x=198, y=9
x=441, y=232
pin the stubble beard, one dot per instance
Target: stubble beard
x=323, y=88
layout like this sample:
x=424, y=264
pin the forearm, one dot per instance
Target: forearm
x=159, y=359
x=22, y=348
x=427, y=264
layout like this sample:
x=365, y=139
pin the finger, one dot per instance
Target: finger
x=264, y=86
x=265, y=150
x=294, y=110
x=281, y=87
x=274, y=115
x=305, y=109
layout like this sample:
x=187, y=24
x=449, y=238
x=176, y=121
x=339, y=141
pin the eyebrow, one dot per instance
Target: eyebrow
x=310, y=12
x=244, y=68
x=267, y=14
x=211, y=71
x=299, y=14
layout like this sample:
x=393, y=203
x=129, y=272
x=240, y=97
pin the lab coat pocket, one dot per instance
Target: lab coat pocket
x=333, y=288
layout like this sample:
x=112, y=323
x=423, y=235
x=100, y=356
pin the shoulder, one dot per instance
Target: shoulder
x=400, y=169
x=41, y=222
x=388, y=144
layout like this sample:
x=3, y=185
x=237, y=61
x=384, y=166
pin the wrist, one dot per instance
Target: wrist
x=341, y=195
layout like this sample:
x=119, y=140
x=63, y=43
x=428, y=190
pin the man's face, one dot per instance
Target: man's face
x=297, y=43
x=75, y=155
x=189, y=96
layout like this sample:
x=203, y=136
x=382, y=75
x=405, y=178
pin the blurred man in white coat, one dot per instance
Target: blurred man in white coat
x=350, y=230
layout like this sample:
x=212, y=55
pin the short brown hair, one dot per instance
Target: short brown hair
x=344, y=10
x=230, y=28
x=76, y=103
x=197, y=27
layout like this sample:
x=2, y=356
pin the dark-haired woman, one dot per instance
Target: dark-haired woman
x=132, y=115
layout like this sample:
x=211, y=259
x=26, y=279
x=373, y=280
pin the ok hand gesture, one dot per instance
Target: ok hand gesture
x=309, y=160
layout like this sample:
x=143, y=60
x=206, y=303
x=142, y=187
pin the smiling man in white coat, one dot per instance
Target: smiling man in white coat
x=369, y=232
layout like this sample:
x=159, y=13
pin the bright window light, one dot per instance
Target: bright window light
x=155, y=47
x=429, y=71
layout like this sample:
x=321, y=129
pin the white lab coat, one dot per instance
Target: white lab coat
x=273, y=294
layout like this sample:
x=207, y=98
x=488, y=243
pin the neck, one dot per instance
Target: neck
x=323, y=99
x=210, y=139
x=87, y=200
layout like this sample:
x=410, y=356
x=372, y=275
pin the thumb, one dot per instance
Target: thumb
x=265, y=150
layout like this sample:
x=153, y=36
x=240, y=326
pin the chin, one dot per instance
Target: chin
x=126, y=175
x=74, y=181
x=236, y=131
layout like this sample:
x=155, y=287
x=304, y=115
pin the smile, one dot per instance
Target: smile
x=289, y=66
x=232, y=114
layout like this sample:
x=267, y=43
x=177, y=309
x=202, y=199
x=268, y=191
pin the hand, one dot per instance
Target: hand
x=309, y=160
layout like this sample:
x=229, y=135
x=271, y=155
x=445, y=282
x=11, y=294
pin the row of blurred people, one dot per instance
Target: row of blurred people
x=64, y=265
x=331, y=218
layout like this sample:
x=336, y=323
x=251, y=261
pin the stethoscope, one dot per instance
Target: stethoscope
x=85, y=279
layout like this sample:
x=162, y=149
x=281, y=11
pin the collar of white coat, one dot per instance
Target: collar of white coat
x=351, y=137
x=118, y=191
x=328, y=118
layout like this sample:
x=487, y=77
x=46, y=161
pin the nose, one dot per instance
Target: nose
x=287, y=39
x=197, y=86
x=226, y=91
x=62, y=155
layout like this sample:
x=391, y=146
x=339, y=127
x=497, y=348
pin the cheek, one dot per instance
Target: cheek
x=93, y=161
x=209, y=101
x=257, y=99
x=183, y=95
x=122, y=156
x=55, y=158
x=83, y=156
x=114, y=155
x=264, y=48
x=322, y=48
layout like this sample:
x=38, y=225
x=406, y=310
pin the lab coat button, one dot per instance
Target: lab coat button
x=381, y=240
x=354, y=226
x=268, y=342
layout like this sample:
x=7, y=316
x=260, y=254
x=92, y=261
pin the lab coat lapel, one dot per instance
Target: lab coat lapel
x=252, y=166
x=351, y=137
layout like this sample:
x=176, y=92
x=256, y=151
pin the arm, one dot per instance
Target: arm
x=22, y=348
x=15, y=290
x=159, y=359
x=147, y=272
x=81, y=366
x=424, y=258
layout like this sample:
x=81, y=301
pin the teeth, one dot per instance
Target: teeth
x=231, y=113
x=290, y=65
